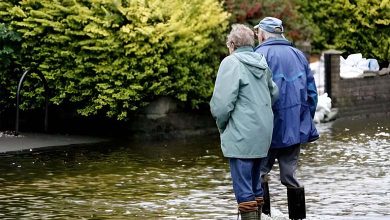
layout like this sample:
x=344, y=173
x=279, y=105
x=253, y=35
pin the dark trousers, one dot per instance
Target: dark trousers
x=246, y=179
x=288, y=162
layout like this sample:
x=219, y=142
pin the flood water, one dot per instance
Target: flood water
x=346, y=174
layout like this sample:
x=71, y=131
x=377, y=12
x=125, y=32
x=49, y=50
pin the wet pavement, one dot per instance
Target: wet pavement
x=33, y=141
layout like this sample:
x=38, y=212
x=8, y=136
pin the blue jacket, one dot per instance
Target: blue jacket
x=295, y=108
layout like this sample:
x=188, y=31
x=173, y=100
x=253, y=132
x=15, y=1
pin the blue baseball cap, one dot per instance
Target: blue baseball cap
x=271, y=25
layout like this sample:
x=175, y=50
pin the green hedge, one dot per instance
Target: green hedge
x=361, y=26
x=112, y=57
x=9, y=57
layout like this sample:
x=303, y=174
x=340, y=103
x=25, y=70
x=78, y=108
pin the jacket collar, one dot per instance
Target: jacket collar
x=243, y=49
x=275, y=41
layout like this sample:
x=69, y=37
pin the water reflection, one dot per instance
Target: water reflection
x=345, y=173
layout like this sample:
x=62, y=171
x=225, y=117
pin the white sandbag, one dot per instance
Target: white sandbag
x=349, y=68
x=318, y=70
x=324, y=107
x=355, y=65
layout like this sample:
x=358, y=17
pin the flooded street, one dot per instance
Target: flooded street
x=346, y=174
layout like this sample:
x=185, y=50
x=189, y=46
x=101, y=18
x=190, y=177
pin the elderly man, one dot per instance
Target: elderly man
x=293, y=112
x=241, y=105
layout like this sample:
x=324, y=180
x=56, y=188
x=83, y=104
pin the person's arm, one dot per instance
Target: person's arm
x=225, y=92
x=311, y=91
x=273, y=88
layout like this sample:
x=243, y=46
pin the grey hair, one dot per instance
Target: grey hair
x=267, y=34
x=240, y=36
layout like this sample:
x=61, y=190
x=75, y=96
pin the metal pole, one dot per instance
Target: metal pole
x=45, y=85
x=18, y=101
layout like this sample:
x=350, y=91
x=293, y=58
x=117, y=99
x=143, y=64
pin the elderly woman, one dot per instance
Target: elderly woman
x=241, y=105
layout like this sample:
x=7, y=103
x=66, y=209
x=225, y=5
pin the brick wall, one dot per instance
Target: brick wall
x=359, y=97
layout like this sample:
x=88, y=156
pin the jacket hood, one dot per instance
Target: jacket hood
x=255, y=62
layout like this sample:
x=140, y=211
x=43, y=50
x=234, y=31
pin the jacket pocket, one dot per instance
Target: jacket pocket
x=231, y=133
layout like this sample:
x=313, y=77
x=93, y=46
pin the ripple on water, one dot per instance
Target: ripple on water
x=345, y=173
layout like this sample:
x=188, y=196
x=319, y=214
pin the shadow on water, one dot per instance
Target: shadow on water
x=345, y=173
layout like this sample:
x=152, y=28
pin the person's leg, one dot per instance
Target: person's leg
x=266, y=165
x=241, y=171
x=256, y=180
x=268, y=162
x=288, y=162
x=257, y=186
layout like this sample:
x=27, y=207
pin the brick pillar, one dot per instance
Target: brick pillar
x=332, y=74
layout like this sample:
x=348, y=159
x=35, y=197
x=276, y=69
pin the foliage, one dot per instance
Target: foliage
x=252, y=11
x=9, y=57
x=352, y=26
x=113, y=57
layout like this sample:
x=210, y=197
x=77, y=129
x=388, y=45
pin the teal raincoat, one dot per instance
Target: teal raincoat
x=242, y=104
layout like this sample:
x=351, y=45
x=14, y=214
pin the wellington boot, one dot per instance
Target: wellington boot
x=248, y=210
x=260, y=202
x=254, y=215
x=296, y=203
x=266, y=209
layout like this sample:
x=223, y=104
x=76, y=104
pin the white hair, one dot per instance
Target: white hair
x=267, y=34
x=240, y=36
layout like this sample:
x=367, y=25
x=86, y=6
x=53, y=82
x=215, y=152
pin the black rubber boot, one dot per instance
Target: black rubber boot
x=266, y=209
x=296, y=203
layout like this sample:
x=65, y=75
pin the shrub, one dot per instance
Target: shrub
x=252, y=11
x=352, y=26
x=9, y=58
x=113, y=57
